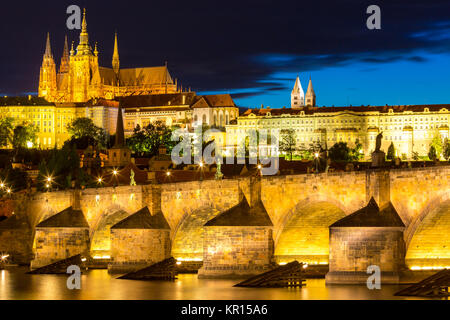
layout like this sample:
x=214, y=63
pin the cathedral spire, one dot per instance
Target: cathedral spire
x=83, y=47
x=64, y=66
x=115, y=60
x=48, y=49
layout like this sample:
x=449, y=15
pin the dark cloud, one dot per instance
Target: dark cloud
x=225, y=45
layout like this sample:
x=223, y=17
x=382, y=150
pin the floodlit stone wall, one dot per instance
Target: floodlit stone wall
x=236, y=251
x=17, y=243
x=54, y=244
x=354, y=249
x=134, y=249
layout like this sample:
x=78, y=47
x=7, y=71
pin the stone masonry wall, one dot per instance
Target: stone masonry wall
x=134, y=249
x=236, y=251
x=54, y=244
x=353, y=249
x=17, y=243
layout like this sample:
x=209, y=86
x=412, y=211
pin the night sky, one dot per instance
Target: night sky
x=251, y=49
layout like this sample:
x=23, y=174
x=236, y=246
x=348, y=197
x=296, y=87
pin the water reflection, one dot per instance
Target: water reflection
x=98, y=284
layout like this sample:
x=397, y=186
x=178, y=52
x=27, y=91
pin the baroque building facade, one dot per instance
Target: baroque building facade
x=80, y=78
x=410, y=128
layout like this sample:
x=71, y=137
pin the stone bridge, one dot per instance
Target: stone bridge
x=301, y=208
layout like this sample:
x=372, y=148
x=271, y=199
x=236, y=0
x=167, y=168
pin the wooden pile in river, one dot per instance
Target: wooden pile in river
x=433, y=287
x=59, y=267
x=289, y=275
x=164, y=270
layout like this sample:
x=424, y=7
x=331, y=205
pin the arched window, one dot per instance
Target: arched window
x=195, y=118
x=215, y=119
x=221, y=119
x=204, y=119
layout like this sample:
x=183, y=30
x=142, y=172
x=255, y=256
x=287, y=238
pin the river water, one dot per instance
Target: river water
x=99, y=285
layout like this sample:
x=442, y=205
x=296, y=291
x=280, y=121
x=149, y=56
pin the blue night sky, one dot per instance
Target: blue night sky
x=251, y=49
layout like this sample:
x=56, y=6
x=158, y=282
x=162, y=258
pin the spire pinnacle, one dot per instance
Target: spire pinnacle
x=83, y=47
x=115, y=59
x=48, y=49
x=64, y=66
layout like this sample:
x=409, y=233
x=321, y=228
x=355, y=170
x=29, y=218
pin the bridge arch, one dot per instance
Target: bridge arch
x=428, y=243
x=303, y=234
x=187, y=237
x=100, y=233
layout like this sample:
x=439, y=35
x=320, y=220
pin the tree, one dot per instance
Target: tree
x=391, y=152
x=357, y=153
x=149, y=139
x=446, y=152
x=84, y=131
x=288, y=143
x=432, y=154
x=62, y=166
x=23, y=134
x=6, y=131
x=339, y=152
x=436, y=142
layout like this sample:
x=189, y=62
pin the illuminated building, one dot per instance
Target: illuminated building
x=80, y=78
x=410, y=128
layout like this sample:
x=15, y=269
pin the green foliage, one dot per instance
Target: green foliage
x=339, y=152
x=391, y=152
x=84, y=131
x=62, y=166
x=436, y=143
x=24, y=133
x=415, y=156
x=288, y=143
x=432, y=154
x=357, y=153
x=149, y=139
x=6, y=131
x=446, y=149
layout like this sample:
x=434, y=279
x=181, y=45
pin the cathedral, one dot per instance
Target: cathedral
x=80, y=78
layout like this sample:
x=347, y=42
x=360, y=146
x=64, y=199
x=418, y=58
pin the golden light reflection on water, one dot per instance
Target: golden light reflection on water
x=98, y=284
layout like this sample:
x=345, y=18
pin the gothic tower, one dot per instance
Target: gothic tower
x=115, y=59
x=47, y=78
x=83, y=68
x=64, y=66
x=310, y=97
x=297, y=95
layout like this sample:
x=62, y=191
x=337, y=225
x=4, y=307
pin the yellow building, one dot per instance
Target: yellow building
x=80, y=78
x=51, y=119
x=410, y=128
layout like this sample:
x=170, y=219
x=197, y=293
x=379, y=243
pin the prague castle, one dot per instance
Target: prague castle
x=410, y=128
x=80, y=78
x=81, y=88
